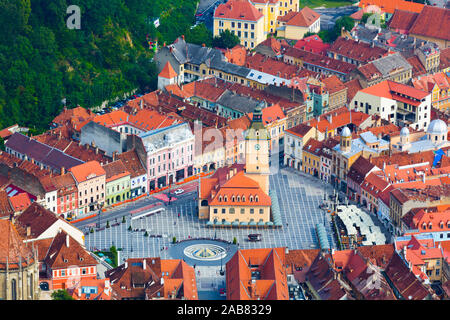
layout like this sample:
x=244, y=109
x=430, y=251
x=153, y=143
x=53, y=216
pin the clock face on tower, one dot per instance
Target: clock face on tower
x=257, y=147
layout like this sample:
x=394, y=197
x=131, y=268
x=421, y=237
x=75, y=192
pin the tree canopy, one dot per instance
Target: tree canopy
x=226, y=40
x=42, y=61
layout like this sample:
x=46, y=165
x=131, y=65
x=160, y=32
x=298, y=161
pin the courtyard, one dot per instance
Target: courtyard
x=299, y=197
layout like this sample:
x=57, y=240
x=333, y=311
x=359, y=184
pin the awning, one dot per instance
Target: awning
x=252, y=223
x=244, y=223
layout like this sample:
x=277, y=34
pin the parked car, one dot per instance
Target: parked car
x=179, y=191
x=254, y=237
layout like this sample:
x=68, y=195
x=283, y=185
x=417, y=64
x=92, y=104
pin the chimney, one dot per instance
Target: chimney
x=63, y=170
x=67, y=240
x=96, y=150
x=126, y=264
x=144, y=263
x=28, y=231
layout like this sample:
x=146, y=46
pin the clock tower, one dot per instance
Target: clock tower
x=257, y=141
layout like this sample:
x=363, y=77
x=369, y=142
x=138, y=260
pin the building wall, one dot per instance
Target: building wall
x=64, y=278
x=311, y=163
x=91, y=191
x=106, y=139
x=247, y=216
x=118, y=190
x=51, y=202
x=26, y=283
x=238, y=28
x=166, y=161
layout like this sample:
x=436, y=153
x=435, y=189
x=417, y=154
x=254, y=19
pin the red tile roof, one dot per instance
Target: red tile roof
x=269, y=262
x=300, y=130
x=6, y=210
x=418, y=68
x=167, y=72
x=65, y=252
x=402, y=19
x=313, y=146
x=333, y=84
x=393, y=90
x=242, y=186
x=312, y=44
x=12, y=248
x=132, y=163
x=339, y=118
x=356, y=50
x=271, y=66
x=20, y=201
x=238, y=10
x=353, y=86
x=84, y=171
x=320, y=60
x=236, y=55
x=390, y=6
x=115, y=170
x=304, y=18
x=432, y=22
x=37, y=218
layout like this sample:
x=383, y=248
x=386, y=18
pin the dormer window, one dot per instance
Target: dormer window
x=243, y=200
x=220, y=198
x=233, y=199
x=256, y=199
x=430, y=225
x=238, y=198
x=251, y=198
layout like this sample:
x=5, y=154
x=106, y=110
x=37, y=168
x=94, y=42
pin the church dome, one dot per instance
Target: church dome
x=346, y=132
x=404, y=131
x=437, y=127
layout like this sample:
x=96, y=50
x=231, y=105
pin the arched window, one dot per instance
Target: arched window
x=204, y=203
x=256, y=199
x=225, y=198
x=243, y=200
x=13, y=290
x=233, y=198
x=238, y=198
x=251, y=198
x=220, y=198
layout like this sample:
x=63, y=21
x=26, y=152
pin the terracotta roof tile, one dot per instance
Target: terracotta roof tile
x=37, y=218
x=83, y=171
x=402, y=19
x=390, y=6
x=12, y=248
x=238, y=10
x=20, y=201
x=356, y=50
x=304, y=18
x=167, y=72
x=353, y=86
x=132, y=163
x=115, y=170
x=430, y=23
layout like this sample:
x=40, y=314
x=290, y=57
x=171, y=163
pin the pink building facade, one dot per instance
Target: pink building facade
x=170, y=155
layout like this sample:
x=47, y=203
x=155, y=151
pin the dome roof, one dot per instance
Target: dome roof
x=437, y=127
x=346, y=132
x=404, y=131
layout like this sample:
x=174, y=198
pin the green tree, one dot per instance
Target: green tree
x=61, y=294
x=199, y=35
x=114, y=255
x=225, y=40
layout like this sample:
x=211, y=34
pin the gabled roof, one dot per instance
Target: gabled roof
x=304, y=18
x=359, y=170
x=238, y=10
x=132, y=163
x=84, y=171
x=243, y=186
x=432, y=22
x=393, y=90
x=65, y=252
x=20, y=201
x=37, y=218
x=356, y=50
x=300, y=129
x=272, y=283
x=115, y=170
x=402, y=19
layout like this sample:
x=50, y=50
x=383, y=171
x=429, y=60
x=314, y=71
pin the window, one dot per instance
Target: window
x=242, y=210
x=215, y=210
x=252, y=211
x=223, y=210
x=261, y=211
x=231, y=211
